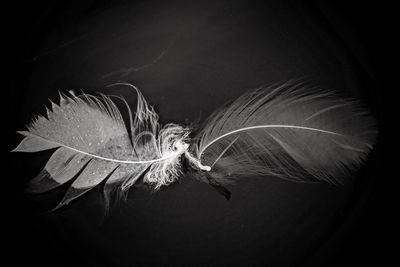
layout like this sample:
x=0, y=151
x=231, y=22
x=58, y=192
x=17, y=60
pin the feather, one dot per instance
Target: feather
x=93, y=144
x=290, y=130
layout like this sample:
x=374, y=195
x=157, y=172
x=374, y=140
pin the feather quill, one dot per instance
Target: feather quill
x=289, y=130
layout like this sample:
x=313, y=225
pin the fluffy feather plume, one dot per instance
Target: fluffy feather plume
x=290, y=130
x=93, y=144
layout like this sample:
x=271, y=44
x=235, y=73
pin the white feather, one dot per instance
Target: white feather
x=93, y=143
x=290, y=130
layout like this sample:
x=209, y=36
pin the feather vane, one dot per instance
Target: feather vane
x=290, y=130
x=93, y=144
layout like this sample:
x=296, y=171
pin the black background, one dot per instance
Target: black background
x=58, y=46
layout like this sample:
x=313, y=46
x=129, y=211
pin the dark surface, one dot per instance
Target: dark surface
x=188, y=59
